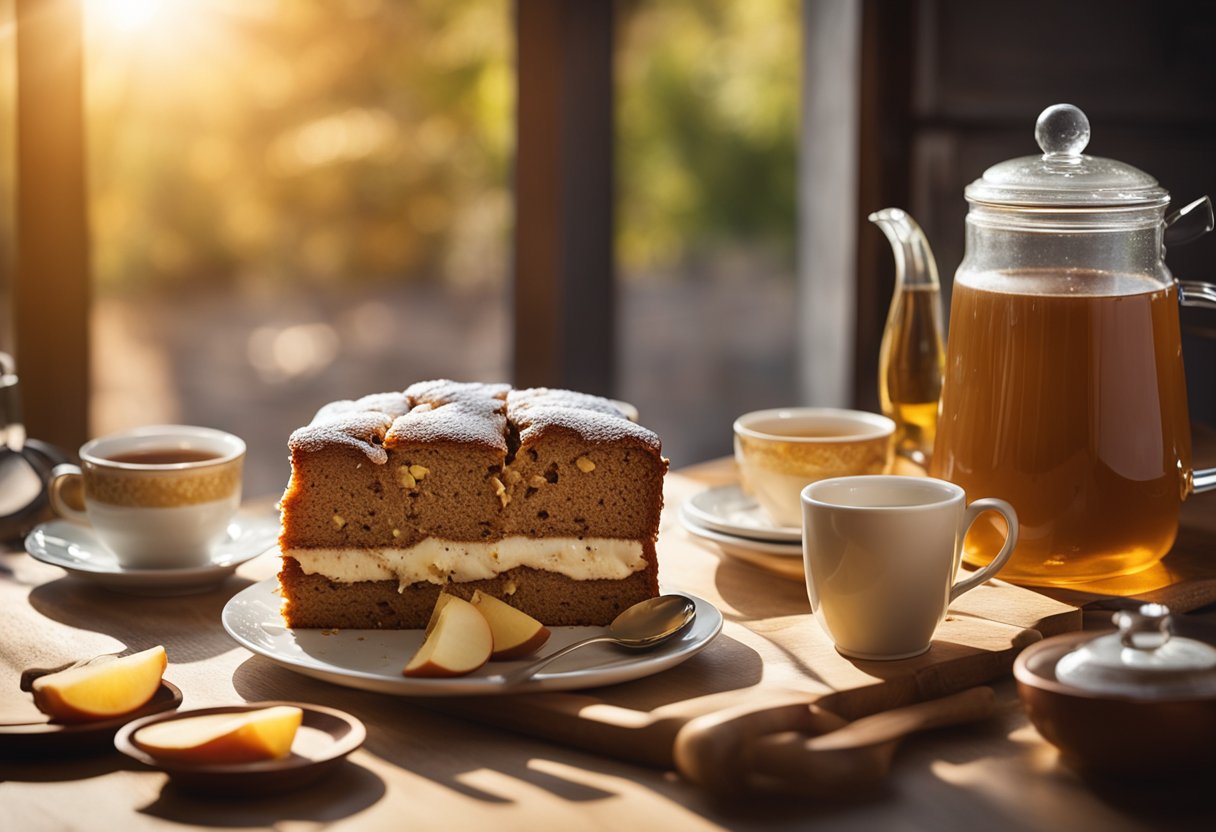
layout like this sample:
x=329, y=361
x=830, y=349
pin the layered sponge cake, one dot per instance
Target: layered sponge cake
x=547, y=499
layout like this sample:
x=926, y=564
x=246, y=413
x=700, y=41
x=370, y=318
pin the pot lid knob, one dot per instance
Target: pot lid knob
x=1141, y=660
x=1062, y=132
x=1145, y=629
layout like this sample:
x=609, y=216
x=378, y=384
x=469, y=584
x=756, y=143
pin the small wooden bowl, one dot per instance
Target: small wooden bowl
x=325, y=737
x=1111, y=734
x=34, y=734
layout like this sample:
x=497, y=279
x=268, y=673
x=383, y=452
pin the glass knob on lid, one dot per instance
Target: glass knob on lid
x=1063, y=176
x=1142, y=660
x=1062, y=131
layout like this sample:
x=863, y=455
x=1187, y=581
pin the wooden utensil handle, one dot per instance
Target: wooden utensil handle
x=966, y=706
x=732, y=751
x=709, y=750
x=588, y=722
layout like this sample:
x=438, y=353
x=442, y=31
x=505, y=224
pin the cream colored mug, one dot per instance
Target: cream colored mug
x=881, y=556
x=157, y=497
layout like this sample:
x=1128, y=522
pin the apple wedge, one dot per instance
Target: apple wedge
x=246, y=737
x=103, y=688
x=440, y=603
x=458, y=643
x=515, y=633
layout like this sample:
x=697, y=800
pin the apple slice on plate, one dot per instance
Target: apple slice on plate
x=264, y=734
x=440, y=603
x=102, y=688
x=515, y=633
x=458, y=641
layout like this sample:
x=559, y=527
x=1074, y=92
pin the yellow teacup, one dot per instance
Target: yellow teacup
x=781, y=451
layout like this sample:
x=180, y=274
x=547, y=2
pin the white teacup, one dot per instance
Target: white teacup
x=779, y=451
x=881, y=555
x=158, y=497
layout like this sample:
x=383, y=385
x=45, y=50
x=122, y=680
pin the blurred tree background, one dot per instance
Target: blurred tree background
x=322, y=141
x=298, y=140
x=295, y=201
x=706, y=130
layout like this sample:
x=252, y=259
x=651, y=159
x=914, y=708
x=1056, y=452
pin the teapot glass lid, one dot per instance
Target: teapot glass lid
x=1063, y=176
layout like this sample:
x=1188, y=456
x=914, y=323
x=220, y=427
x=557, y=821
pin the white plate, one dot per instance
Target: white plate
x=727, y=509
x=732, y=543
x=77, y=549
x=373, y=659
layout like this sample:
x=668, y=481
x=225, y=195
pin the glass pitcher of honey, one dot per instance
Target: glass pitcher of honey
x=1064, y=391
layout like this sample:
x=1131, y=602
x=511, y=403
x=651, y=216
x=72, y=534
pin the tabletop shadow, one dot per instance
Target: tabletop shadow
x=185, y=625
x=348, y=790
x=416, y=739
x=755, y=593
x=727, y=664
x=1160, y=798
x=61, y=766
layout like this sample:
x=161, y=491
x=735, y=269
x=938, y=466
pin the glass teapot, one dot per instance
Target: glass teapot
x=1064, y=391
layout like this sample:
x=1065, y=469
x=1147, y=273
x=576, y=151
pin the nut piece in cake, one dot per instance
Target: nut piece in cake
x=515, y=633
x=459, y=642
x=262, y=734
x=104, y=687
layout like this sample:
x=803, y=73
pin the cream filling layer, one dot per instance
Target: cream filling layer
x=443, y=561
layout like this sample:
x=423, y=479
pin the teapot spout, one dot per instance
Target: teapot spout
x=912, y=357
x=914, y=263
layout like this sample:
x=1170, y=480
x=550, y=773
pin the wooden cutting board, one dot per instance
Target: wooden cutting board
x=771, y=652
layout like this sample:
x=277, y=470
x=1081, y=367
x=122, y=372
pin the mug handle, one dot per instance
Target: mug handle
x=60, y=475
x=972, y=514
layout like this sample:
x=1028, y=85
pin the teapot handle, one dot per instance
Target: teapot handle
x=1198, y=293
x=1190, y=222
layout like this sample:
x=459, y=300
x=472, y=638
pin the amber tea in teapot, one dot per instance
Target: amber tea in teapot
x=1063, y=391
x=1059, y=379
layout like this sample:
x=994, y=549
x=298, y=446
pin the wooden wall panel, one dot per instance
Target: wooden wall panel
x=564, y=268
x=51, y=291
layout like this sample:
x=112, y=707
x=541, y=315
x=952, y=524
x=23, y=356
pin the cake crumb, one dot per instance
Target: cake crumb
x=330, y=632
x=585, y=465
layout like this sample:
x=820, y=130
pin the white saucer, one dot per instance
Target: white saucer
x=77, y=549
x=373, y=659
x=732, y=543
x=727, y=509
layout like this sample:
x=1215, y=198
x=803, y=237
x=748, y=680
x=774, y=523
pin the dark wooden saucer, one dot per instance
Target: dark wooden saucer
x=30, y=732
x=325, y=737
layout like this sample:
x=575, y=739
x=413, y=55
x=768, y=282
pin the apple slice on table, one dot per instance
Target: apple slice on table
x=101, y=689
x=245, y=737
x=515, y=632
x=459, y=642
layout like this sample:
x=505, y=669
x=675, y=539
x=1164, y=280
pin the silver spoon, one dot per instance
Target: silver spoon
x=645, y=624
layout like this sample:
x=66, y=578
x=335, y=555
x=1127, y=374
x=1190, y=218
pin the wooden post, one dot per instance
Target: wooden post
x=563, y=269
x=827, y=200
x=51, y=292
x=884, y=148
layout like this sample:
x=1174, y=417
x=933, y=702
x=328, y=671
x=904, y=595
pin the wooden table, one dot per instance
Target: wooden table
x=423, y=770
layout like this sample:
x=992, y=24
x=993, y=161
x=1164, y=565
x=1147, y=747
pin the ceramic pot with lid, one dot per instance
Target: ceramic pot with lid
x=1134, y=700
